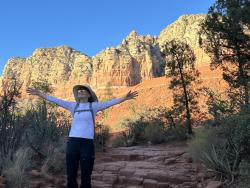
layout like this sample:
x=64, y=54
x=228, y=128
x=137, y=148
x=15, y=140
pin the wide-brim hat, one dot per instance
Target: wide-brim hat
x=88, y=88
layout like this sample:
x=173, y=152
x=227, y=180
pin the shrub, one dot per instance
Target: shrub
x=175, y=133
x=217, y=160
x=46, y=125
x=43, y=131
x=245, y=168
x=101, y=137
x=224, y=148
x=136, y=132
x=55, y=160
x=154, y=132
x=120, y=141
x=147, y=125
x=202, y=142
x=12, y=125
x=217, y=106
x=151, y=126
x=14, y=170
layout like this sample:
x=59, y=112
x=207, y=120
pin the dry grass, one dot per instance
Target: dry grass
x=15, y=170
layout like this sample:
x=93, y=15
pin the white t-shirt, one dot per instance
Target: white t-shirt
x=82, y=124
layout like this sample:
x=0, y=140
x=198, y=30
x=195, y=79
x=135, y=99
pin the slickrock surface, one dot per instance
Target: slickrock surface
x=148, y=167
x=161, y=166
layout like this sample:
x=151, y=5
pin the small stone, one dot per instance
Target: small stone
x=110, y=178
x=135, y=180
x=163, y=185
x=127, y=172
x=149, y=183
x=214, y=184
x=122, y=179
x=35, y=173
x=189, y=159
x=96, y=176
x=37, y=183
x=100, y=184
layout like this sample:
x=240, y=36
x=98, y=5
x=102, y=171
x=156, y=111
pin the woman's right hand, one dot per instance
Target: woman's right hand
x=32, y=91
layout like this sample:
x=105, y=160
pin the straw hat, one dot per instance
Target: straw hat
x=93, y=97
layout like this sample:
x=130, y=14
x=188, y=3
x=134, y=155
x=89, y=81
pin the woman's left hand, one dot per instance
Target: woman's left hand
x=131, y=95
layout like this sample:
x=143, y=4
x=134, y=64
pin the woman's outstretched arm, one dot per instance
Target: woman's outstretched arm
x=65, y=104
x=106, y=104
x=33, y=91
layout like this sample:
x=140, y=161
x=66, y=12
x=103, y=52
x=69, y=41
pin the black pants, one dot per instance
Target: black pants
x=80, y=149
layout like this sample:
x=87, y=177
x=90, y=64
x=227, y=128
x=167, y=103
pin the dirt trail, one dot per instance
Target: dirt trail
x=161, y=166
x=158, y=166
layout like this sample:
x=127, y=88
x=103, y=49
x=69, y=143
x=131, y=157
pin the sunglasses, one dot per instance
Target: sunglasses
x=82, y=90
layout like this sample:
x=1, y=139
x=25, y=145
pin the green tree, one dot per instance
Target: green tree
x=225, y=38
x=180, y=60
x=12, y=125
x=47, y=125
x=218, y=107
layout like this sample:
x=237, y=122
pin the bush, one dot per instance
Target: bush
x=218, y=107
x=55, y=160
x=101, y=137
x=224, y=148
x=43, y=131
x=24, y=131
x=12, y=125
x=154, y=132
x=147, y=125
x=151, y=126
x=202, y=142
x=120, y=141
x=176, y=133
x=217, y=160
x=136, y=134
x=14, y=170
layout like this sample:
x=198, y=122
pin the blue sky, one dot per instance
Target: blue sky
x=86, y=25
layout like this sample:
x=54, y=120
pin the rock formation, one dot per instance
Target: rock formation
x=136, y=59
x=186, y=29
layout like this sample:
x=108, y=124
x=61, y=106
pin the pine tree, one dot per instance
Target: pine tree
x=225, y=37
x=180, y=60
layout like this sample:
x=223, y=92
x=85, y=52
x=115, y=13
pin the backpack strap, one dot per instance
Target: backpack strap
x=93, y=117
x=76, y=106
x=92, y=112
x=84, y=110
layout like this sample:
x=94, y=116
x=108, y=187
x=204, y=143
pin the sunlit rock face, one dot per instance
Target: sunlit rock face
x=186, y=29
x=136, y=59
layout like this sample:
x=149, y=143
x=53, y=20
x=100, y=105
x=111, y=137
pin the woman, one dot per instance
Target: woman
x=80, y=145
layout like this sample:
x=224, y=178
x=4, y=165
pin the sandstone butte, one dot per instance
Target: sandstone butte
x=135, y=64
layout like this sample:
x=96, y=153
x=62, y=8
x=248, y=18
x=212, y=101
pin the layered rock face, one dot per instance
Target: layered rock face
x=186, y=29
x=136, y=59
x=58, y=65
